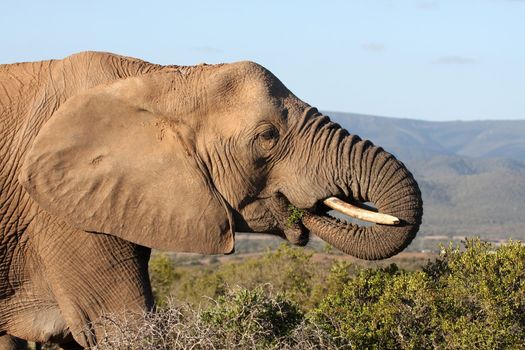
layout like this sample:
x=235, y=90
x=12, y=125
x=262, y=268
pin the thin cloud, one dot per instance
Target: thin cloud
x=455, y=60
x=373, y=47
x=428, y=5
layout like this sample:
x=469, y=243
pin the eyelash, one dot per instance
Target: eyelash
x=270, y=134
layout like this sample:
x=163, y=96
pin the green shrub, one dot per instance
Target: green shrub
x=467, y=299
x=266, y=319
x=482, y=295
x=288, y=270
x=162, y=276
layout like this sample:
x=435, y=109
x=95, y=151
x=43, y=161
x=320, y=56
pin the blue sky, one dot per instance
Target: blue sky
x=433, y=60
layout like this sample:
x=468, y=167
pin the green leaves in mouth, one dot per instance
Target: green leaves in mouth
x=294, y=215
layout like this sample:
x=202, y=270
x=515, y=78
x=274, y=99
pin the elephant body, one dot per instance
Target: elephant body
x=32, y=242
x=100, y=155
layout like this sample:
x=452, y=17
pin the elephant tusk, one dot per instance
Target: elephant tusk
x=360, y=213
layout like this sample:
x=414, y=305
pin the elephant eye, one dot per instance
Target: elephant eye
x=268, y=138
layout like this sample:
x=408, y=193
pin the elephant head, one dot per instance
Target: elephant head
x=180, y=158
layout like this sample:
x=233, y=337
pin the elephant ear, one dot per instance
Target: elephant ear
x=105, y=164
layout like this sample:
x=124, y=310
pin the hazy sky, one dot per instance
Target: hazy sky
x=434, y=60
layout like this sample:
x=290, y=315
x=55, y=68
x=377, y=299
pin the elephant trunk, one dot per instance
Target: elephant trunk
x=372, y=175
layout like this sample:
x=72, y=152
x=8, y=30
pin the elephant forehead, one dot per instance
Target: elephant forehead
x=244, y=81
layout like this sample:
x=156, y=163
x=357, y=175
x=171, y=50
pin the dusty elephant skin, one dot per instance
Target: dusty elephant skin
x=104, y=157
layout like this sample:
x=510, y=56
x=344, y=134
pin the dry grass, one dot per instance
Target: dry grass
x=183, y=327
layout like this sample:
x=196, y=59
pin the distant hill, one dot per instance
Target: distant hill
x=411, y=138
x=471, y=174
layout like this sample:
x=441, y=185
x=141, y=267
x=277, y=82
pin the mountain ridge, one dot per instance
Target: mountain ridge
x=477, y=139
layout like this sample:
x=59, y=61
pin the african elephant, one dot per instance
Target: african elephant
x=104, y=157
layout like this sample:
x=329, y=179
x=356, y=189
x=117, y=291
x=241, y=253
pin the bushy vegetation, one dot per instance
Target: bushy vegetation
x=470, y=297
x=289, y=271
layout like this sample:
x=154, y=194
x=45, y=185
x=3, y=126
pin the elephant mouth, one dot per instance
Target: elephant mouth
x=297, y=233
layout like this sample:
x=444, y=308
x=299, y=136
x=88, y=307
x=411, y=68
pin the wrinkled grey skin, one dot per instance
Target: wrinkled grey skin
x=105, y=157
x=7, y=343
